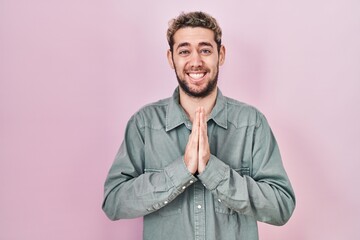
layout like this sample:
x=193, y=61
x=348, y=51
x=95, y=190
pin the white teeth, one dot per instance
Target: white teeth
x=196, y=75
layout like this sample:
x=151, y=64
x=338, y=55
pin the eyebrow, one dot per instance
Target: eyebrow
x=201, y=44
x=184, y=44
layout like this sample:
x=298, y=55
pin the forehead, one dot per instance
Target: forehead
x=193, y=35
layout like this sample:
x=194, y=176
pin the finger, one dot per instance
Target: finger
x=196, y=124
x=194, y=136
x=203, y=123
x=203, y=130
x=191, y=151
x=204, y=151
x=201, y=120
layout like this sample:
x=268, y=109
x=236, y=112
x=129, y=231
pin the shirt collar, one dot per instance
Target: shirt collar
x=219, y=113
x=175, y=114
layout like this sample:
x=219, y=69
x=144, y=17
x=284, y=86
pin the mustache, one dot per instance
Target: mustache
x=197, y=69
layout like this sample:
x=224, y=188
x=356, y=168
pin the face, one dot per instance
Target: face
x=196, y=60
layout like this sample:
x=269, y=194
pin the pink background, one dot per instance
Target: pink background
x=73, y=72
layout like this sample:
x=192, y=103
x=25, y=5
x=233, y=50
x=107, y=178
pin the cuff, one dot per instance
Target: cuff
x=179, y=174
x=214, y=172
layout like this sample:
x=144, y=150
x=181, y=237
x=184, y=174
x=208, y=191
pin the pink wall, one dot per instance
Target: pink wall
x=72, y=73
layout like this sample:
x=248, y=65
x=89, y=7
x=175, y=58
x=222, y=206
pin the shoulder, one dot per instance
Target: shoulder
x=152, y=114
x=241, y=114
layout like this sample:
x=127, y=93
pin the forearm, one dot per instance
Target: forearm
x=268, y=200
x=129, y=196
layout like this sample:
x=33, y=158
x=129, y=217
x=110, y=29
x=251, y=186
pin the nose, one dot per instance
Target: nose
x=195, y=60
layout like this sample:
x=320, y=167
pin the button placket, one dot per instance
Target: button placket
x=199, y=211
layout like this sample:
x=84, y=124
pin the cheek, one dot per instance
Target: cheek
x=213, y=67
x=179, y=66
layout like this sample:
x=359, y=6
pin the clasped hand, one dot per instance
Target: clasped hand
x=197, y=152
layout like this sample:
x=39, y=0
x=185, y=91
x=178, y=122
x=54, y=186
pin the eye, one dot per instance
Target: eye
x=205, y=51
x=184, y=52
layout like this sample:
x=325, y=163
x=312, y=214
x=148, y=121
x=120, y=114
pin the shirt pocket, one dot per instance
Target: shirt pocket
x=158, y=180
x=220, y=207
x=167, y=207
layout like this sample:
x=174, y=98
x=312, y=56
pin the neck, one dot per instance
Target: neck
x=190, y=104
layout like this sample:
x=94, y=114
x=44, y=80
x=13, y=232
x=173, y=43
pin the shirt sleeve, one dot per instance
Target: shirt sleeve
x=265, y=193
x=132, y=192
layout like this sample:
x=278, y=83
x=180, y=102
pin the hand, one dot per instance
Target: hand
x=197, y=152
x=204, y=148
x=191, y=150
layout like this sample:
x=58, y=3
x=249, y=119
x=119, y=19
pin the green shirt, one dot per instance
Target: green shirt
x=243, y=182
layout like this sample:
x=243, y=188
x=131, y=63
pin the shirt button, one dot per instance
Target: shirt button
x=199, y=206
x=219, y=200
x=191, y=181
x=183, y=187
x=166, y=202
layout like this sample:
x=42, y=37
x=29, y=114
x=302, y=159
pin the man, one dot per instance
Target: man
x=198, y=165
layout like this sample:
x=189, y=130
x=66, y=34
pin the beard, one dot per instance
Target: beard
x=209, y=88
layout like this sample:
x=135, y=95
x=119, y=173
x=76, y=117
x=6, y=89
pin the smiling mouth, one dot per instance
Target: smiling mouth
x=197, y=76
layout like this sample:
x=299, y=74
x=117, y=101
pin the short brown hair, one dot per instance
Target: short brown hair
x=193, y=19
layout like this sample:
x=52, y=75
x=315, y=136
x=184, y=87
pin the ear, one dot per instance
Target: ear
x=222, y=55
x=170, y=59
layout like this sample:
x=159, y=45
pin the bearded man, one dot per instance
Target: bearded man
x=198, y=165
